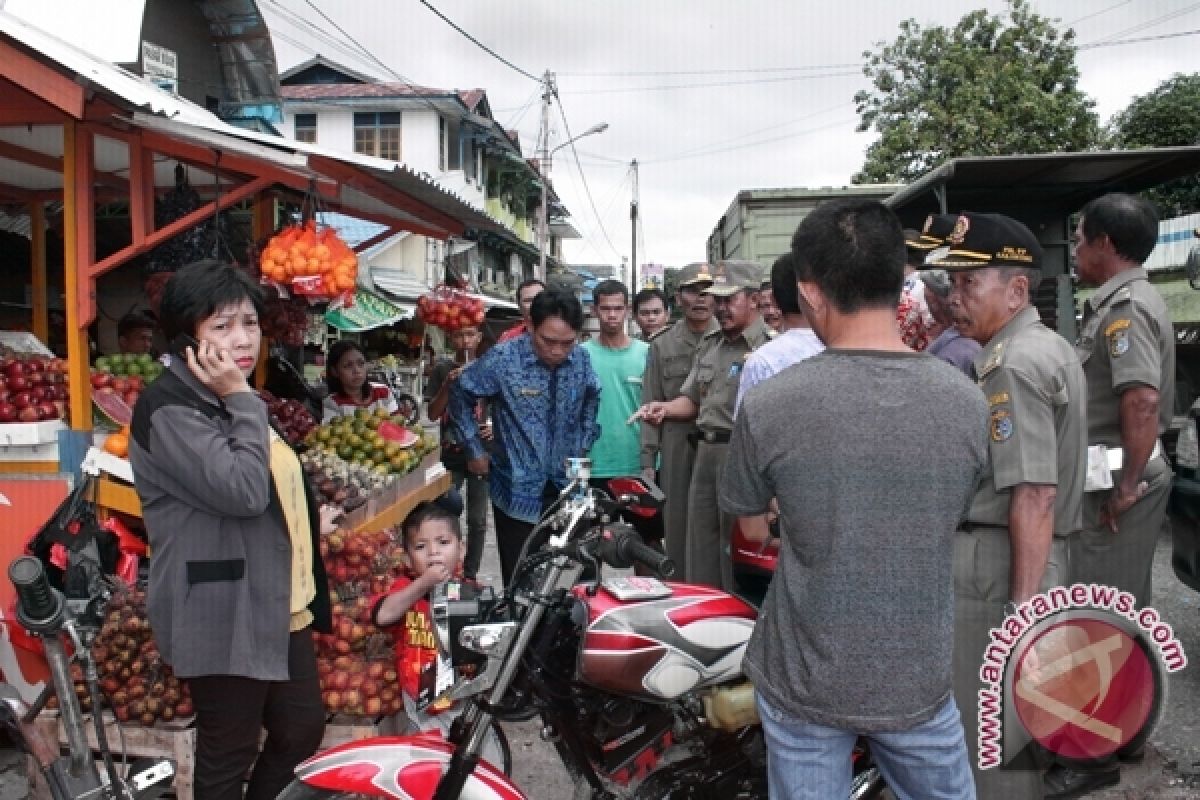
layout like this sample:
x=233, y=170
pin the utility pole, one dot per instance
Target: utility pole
x=544, y=168
x=633, y=218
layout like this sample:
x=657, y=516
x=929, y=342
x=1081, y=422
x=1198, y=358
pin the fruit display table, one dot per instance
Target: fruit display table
x=113, y=494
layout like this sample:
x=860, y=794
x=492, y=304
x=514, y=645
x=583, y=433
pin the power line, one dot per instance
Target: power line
x=1150, y=23
x=757, y=81
x=1075, y=22
x=715, y=71
x=1159, y=37
x=479, y=44
x=582, y=178
x=373, y=57
x=715, y=151
x=303, y=24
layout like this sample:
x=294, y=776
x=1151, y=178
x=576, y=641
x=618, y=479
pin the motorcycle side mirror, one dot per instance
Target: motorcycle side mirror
x=643, y=498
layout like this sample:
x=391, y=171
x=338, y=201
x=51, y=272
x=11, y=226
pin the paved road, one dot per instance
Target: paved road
x=1171, y=770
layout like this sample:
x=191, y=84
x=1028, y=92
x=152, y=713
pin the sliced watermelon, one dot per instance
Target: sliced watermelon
x=397, y=433
x=113, y=409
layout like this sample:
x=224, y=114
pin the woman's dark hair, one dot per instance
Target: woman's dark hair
x=426, y=512
x=340, y=348
x=201, y=289
x=557, y=303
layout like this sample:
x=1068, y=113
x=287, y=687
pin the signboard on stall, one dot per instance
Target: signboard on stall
x=160, y=66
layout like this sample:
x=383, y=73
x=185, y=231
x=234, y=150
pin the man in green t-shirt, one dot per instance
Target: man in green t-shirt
x=619, y=360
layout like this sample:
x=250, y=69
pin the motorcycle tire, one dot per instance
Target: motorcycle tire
x=298, y=790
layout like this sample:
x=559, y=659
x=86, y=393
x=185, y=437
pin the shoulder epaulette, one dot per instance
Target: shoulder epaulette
x=658, y=333
x=1122, y=295
x=712, y=333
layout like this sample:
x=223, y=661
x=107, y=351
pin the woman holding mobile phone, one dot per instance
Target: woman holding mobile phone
x=236, y=580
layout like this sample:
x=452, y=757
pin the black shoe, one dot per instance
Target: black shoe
x=1132, y=757
x=1064, y=783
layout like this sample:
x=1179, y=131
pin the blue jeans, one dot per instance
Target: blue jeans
x=926, y=762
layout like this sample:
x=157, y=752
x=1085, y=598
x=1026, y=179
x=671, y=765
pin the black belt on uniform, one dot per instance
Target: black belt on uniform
x=712, y=437
x=972, y=527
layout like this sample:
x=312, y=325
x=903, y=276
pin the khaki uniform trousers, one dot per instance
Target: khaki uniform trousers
x=1124, y=559
x=709, y=529
x=981, y=571
x=678, y=456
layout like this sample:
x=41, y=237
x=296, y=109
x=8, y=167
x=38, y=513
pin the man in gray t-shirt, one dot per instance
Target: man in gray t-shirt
x=856, y=633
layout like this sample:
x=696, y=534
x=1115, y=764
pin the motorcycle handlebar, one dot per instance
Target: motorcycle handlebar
x=621, y=547
x=38, y=605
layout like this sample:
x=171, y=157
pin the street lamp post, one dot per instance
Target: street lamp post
x=543, y=219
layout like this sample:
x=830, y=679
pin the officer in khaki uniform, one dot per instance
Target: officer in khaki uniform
x=672, y=351
x=1127, y=347
x=1013, y=542
x=708, y=396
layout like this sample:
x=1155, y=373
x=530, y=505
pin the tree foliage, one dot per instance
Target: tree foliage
x=991, y=85
x=1169, y=116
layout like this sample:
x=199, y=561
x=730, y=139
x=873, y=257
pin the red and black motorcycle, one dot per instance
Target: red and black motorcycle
x=638, y=683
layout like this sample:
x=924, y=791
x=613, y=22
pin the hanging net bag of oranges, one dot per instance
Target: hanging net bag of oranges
x=310, y=259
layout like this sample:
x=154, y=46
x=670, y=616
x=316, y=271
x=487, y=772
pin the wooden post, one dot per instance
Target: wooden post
x=262, y=226
x=78, y=254
x=39, y=290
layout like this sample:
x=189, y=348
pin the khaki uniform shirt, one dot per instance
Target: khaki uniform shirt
x=717, y=373
x=1126, y=340
x=1037, y=426
x=672, y=351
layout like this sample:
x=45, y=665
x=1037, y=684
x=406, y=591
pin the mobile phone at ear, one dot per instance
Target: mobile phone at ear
x=182, y=342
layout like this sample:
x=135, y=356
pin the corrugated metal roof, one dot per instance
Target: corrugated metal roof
x=308, y=91
x=130, y=89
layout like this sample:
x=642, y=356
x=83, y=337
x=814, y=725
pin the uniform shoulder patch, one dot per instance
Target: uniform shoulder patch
x=1001, y=425
x=994, y=359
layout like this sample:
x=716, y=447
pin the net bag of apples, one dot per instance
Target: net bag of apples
x=450, y=309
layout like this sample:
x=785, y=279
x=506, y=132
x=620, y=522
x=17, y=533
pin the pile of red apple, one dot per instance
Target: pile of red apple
x=32, y=388
x=450, y=309
x=139, y=686
x=127, y=387
x=290, y=417
x=356, y=661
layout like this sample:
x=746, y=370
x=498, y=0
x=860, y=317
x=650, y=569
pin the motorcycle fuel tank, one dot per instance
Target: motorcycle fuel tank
x=663, y=647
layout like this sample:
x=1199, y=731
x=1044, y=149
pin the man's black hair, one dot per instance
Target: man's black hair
x=525, y=284
x=557, y=303
x=1129, y=221
x=199, y=290
x=339, y=349
x=427, y=511
x=135, y=321
x=783, y=284
x=648, y=294
x=608, y=288
x=854, y=251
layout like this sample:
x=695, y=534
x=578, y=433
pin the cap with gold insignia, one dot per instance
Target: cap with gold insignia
x=932, y=234
x=987, y=240
x=693, y=274
x=731, y=277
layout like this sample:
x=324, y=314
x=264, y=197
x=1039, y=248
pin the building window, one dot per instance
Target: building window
x=306, y=128
x=377, y=134
x=443, y=143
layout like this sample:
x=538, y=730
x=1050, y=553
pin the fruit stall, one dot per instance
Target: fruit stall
x=83, y=142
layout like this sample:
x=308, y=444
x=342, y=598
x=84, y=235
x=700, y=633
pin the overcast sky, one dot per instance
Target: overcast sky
x=783, y=118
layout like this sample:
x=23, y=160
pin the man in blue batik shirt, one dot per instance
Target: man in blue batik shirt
x=543, y=396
